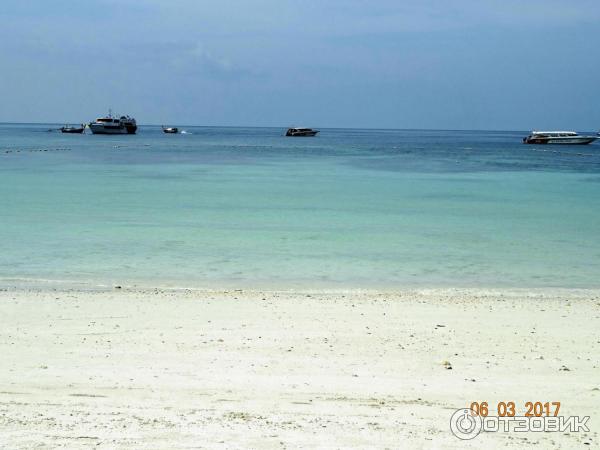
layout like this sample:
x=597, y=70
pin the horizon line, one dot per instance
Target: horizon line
x=281, y=127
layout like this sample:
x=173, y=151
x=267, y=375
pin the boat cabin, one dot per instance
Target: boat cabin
x=554, y=133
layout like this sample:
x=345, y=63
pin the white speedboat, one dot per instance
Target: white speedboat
x=301, y=132
x=558, y=137
x=113, y=125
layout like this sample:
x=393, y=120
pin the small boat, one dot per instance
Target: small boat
x=70, y=129
x=171, y=130
x=558, y=137
x=301, y=132
x=113, y=125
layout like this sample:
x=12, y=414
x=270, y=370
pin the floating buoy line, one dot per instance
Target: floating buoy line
x=34, y=150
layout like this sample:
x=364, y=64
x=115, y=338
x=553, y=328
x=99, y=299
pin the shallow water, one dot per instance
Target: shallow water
x=247, y=207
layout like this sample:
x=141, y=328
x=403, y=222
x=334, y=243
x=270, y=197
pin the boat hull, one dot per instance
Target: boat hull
x=302, y=134
x=561, y=141
x=72, y=130
x=109, y=129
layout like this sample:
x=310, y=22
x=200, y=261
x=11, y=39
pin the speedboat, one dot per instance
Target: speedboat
x=301, y=132
x=70, y=129
x=170, y=130
x=558, y=137
x=113, y=125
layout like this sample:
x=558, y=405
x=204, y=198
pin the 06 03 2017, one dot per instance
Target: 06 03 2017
x=510, y=409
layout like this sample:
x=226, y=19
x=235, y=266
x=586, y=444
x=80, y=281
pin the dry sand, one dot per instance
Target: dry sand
x=205, y=369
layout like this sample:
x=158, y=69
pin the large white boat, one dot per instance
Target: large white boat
x=558, y=137
x=113, y=125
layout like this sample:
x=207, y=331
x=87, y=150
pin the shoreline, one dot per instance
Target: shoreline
x=271, y=369
x=41, y=284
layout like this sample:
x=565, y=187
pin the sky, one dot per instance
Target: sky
x=461, y=64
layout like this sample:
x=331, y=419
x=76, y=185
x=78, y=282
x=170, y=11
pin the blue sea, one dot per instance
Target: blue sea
x=250, y=208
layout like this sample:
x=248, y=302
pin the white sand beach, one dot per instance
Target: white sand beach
x=129, y=368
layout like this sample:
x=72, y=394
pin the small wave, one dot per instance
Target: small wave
x=557, y=152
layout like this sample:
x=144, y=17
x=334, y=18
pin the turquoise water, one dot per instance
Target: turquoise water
x=246, y=207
